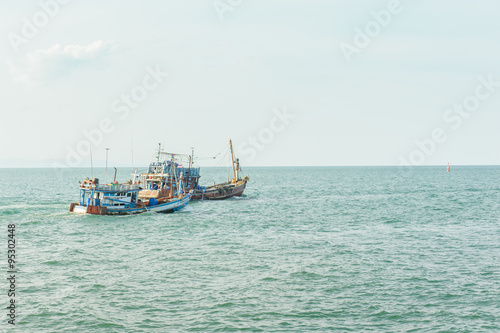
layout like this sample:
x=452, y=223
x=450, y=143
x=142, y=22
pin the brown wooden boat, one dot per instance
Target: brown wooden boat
x=231, y=188
x=222, y=191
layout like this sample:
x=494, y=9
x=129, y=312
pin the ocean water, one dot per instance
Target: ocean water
x=342, y=249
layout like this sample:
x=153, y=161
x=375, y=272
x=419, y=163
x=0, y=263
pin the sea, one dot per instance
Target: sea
x=306, y=249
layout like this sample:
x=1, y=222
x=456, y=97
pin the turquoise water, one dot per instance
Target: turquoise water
x=307, y=249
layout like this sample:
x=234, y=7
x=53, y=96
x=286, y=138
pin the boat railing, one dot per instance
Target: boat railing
x=117, y=187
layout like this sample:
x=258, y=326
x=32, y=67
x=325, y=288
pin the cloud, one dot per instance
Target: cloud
x=56, y=61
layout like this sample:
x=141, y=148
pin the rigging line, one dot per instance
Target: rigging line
x=222, y=160
x=205, y=158
x=223, y=150
x=215, y=156
x=220, y=169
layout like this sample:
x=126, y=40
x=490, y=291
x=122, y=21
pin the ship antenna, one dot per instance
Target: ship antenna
x=91, y=164
x=106, y=178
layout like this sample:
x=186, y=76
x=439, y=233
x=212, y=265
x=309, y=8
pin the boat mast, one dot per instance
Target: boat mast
x=135, y=176
x=191, y=158
x=172, y=177
x=232, y=158
x=159, y=151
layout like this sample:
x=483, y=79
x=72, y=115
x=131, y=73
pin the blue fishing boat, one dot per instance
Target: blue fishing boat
x=167, y=167
x=128, y=198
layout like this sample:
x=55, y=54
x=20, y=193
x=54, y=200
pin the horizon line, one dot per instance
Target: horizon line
x=265, y=166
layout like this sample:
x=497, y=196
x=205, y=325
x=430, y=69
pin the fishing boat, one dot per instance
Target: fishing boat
x=231, y=188
x=129, y=198
x=168, y=166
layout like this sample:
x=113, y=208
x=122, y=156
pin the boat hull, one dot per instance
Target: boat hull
x=170, y=207
x=221, y=191
x=163, y=207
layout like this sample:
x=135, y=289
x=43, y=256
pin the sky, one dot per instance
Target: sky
x=292, y=83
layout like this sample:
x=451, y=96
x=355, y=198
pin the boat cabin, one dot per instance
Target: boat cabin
x=112, y=196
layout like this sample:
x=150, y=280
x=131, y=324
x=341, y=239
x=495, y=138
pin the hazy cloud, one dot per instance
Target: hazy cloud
x=46, y=64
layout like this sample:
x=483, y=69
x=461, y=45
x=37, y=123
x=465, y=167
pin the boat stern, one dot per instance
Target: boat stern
x=79, y=209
